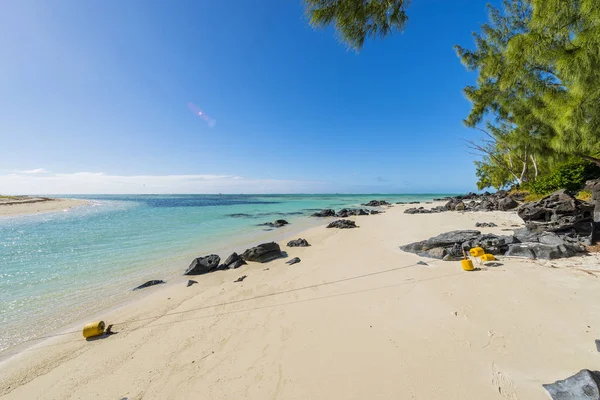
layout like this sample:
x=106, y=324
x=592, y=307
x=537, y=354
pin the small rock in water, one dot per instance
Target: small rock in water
x=277, y=224
x=241, y=278
x=293, y=261
x=581, y=386
x=149, y=283
x=325, y=213
x=190, y=283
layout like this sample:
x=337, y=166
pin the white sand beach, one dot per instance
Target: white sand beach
x=20, y=205
x=357, y=318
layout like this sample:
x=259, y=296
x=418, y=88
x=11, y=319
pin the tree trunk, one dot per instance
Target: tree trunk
x=535, y=168
x=524, y=171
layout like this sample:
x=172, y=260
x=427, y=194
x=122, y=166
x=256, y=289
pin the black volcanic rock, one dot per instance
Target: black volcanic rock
x=203, y=265
x=149, y=283
x=233, y=261
x=376, y=203
x=325, y=213
x=262, y=253
x=298, y=243
x=342, y=224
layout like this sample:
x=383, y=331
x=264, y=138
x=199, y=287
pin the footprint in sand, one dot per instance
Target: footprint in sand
x=503, y=383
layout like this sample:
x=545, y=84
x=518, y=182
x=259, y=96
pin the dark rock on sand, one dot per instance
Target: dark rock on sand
x=233, y=261
x=556, y=212
x=262, y=253
x=485, y=225
x=203, y=265
x=347, y=212
x=241, y=278
x=423, y=210
x=541, y=251
x=373, y=212
x=149, y=283
x=191, y=282
x=441, y=245
x=492, y=244
x=584, y=385
x=298, y=243
x=325, y=213
x=293, y=261
x=376, y=203
x=507, y=203
x=342, y=224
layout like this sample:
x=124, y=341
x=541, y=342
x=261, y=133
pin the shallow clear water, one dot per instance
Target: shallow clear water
x=57, y=267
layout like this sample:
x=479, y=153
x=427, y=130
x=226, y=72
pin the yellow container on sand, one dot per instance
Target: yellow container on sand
x=93, y=329
x=488, y=257
x=477, y=252
x=467, y=265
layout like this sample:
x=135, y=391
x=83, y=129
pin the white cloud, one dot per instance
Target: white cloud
x=44, y=182
x=33, y=171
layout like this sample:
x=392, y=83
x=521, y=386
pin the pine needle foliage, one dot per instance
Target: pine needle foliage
x=356, y=20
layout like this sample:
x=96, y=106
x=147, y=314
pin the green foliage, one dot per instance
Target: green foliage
x=584, y=195
x=571, y=176
x=355, y=20
x=534, y=197
x=538, y=64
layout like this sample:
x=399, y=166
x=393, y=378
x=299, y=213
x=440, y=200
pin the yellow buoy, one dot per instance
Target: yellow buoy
x=477, y=252
x=467, y=265
x=488, y=257
x=93, y=329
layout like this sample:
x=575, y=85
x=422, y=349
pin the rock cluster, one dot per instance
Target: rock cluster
x=485, y=225
x=261, y=253
x=450, y=245
x=342, y=224
x=556, y=226
x=561, y=213
x=376, y=203
x=325, y=213
x=345, y=212
x=423, y=210
x=499, y=201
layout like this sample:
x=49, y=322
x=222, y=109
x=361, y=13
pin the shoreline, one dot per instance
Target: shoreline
x=169, y=269
x=25, y=205
x=351, y=328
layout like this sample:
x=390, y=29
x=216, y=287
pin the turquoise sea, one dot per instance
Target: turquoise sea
x=56, y=268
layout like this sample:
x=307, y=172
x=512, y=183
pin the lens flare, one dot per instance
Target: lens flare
x=196, y=110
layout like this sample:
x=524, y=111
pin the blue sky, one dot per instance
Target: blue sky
x=94, y=99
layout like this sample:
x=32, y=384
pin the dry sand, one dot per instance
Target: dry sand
x=34, y=205
x=387, y=329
